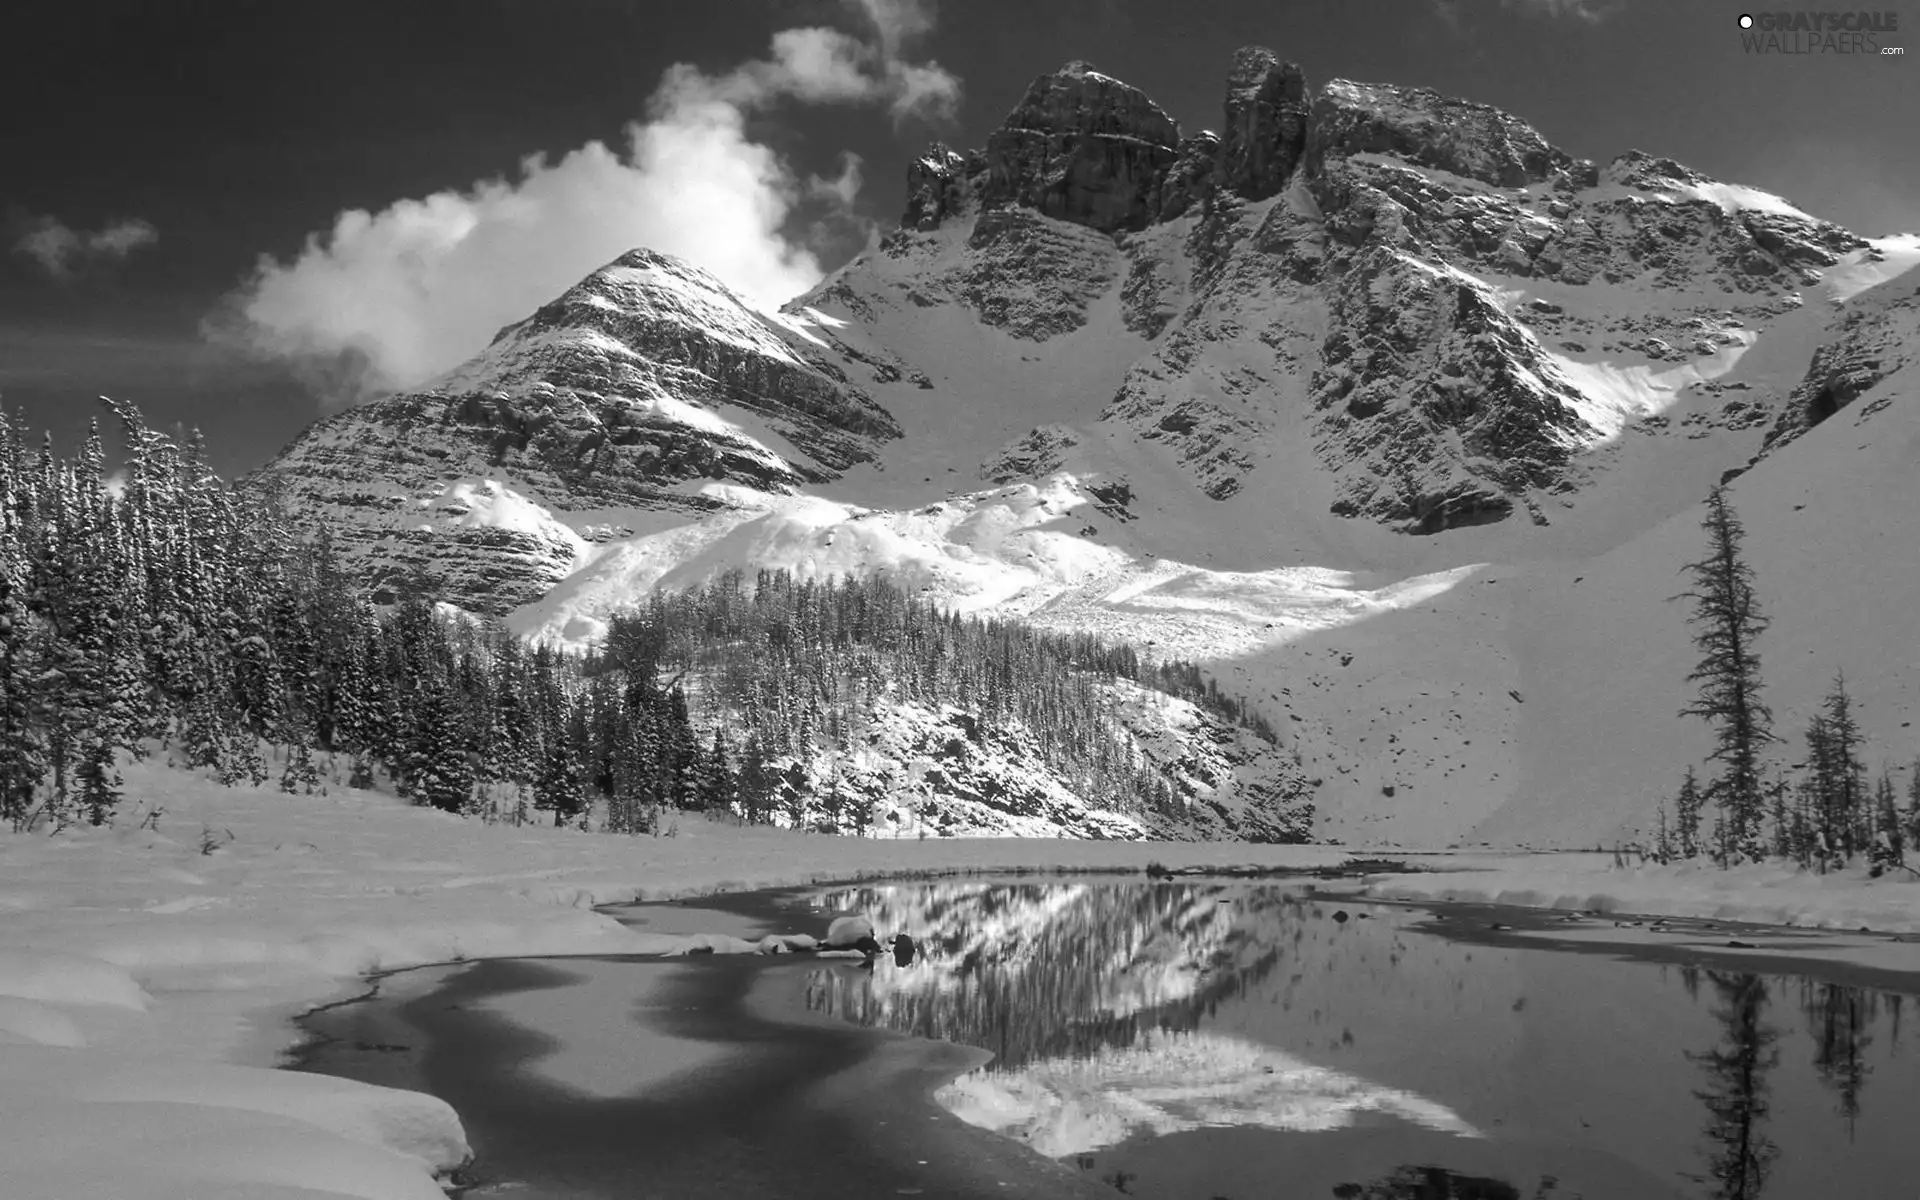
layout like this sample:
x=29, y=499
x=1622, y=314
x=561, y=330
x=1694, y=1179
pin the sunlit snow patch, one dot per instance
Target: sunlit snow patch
x=1734, y=197
x=1615, y=397
x=1173, y=1082
x=1887, y=258
x=491, y=504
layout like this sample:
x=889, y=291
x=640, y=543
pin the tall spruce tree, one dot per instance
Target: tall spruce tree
x=1847, y=774
x=1727, y=627
x=1889, y=835
x=22, y=763
x=1911, y=818
x=1686, y=816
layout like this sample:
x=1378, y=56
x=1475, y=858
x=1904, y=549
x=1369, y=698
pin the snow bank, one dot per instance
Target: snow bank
x=1770, y=894
x=198, y=1130
x=140, y=974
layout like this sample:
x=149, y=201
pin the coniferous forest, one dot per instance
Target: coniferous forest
x=164, y=609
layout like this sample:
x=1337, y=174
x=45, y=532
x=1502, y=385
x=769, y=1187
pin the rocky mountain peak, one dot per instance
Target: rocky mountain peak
x=1423, y=127
x=939, y=184
x=635, y=387
x=1266, y=123
x=1083, y=147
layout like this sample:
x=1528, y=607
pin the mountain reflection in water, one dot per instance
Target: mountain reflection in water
x=1135, y=1025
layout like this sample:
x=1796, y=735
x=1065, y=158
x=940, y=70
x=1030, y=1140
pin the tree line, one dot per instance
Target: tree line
x=162, y=608
x=1821, y=812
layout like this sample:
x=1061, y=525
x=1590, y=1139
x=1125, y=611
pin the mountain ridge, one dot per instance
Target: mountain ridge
x=1268, y=398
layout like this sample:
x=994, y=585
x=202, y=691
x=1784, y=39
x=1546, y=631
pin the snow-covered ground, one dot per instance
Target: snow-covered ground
x=143, y=975
x=153, y=970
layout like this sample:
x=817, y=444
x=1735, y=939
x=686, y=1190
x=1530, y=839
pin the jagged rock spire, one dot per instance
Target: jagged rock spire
x=1266, y=123
x=1083, y=147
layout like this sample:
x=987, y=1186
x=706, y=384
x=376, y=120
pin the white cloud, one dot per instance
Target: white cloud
x=389, y=299
x=896, y=22
x=61, y=250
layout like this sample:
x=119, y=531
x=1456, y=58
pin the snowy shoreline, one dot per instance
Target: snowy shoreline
x=162, y=970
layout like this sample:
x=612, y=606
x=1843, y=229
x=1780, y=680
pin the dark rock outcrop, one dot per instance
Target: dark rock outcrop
x=1266, y=123
x=1083, y=147
x=1437, y=409
x=1422, y=127
x=1192, y=175
x=1873, y=343
x=940, y=184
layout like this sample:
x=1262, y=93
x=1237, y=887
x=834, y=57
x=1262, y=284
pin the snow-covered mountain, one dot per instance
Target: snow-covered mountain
x=617, y=399
x=1374, y=400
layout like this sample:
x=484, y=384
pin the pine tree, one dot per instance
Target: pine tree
x=439, y=768
x=717, y=784
x=1913, y=805
x=1784, y=845
x=560, y=790
x=756, y=782
x=1820, y=791
x=1851, y=818
x=99, y=781
x=1686, y=816
x=1728, y=624
x=1889, y=840
x=299, y=774
x=22, y=763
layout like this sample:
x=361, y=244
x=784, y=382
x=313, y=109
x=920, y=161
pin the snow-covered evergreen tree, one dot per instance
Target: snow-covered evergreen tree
x=1686, y=816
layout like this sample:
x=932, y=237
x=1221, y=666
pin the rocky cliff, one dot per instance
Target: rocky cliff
x=1373, y=239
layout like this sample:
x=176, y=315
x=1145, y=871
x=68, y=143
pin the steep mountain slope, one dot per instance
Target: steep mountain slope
x=1376, y=401
x=616, y=399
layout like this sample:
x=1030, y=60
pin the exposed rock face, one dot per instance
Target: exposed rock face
x=1017, y=271
x=940, y=183
x=1437, y=409
x=1874, y=340
x=1266, y=123
x=1035, y=456
x=1191, y=177
x=1083, y=147
x=1438, y=132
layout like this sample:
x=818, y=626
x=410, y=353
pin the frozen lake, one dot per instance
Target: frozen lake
x=1182, y=1039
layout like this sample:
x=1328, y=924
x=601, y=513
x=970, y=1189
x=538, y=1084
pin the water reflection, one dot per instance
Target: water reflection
x=1091, y=998
x=1741, y=1154
x=1838, y=1018
x=1167, y=1083
x=1033, y=971
x=1131, y=1022
x=1430, y=1183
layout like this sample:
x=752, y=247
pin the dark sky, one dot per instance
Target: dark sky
x=236, y=130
